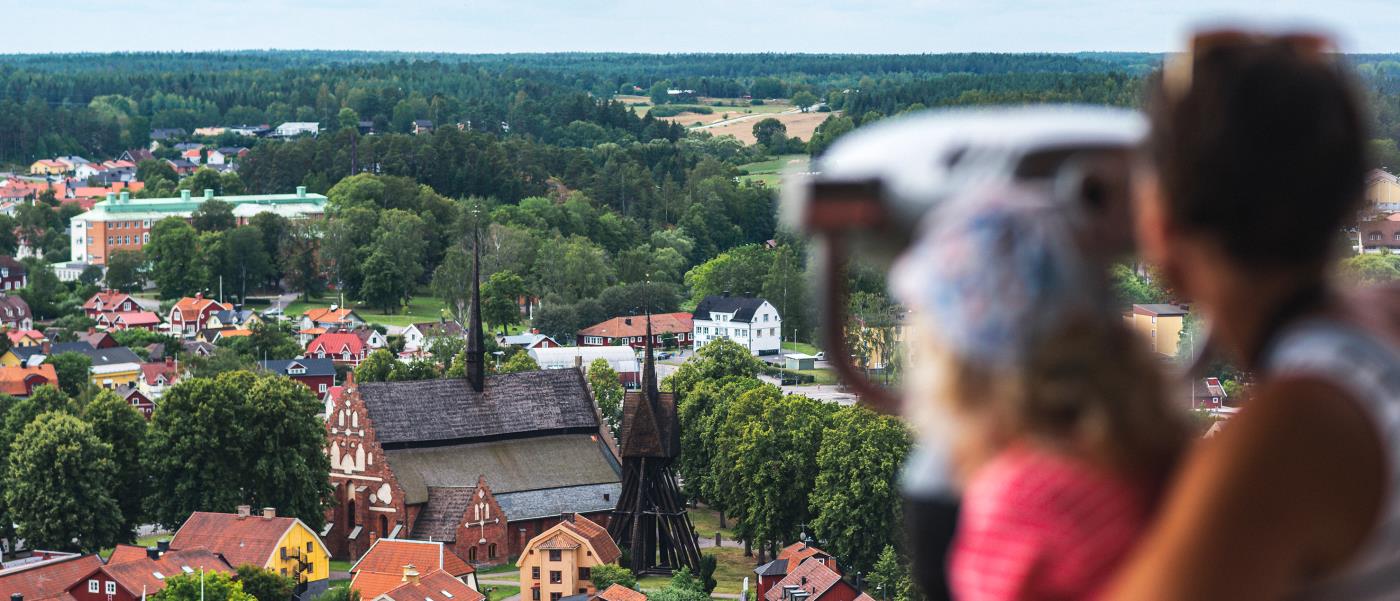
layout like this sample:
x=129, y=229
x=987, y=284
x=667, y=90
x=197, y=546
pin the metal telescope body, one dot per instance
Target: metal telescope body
x=869, y=193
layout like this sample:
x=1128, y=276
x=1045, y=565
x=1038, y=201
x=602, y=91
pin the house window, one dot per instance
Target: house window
x=556, y=596
x=322, y=388
x=556, y=577
x=308, y=546
x=383, y=526
x=535, y=572
x=111, y=587
x=471, y=554
x=556, y=555
x=92, y=586
x=1375, y=236
x=585, y=574
x=535, y=593
x=491, y=551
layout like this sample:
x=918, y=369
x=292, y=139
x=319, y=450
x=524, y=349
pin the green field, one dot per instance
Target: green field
x=340, y=565
x=769, y=172
x=730, y=569
x=801, y=347
x=498, y=592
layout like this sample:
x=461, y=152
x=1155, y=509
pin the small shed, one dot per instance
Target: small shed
x=799, y=361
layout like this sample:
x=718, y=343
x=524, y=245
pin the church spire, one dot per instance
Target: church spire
x=649, y=385
x=476, y=350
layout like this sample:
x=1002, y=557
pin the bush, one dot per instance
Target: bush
x=756, y=102
x=671, y=110
x=607, y=575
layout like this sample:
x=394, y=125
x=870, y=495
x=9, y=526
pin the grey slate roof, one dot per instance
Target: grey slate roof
x=111, y=356
x=524, y=404
x=25, y=352
x=512, y=465
x=742, y=307
x=777, y=567
x=446, y=506
x=314, y=366
x=532, y=504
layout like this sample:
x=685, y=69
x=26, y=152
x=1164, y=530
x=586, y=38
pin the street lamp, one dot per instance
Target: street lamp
x=498, y=359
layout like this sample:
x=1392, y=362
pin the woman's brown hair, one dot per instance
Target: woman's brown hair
x=1260, y=144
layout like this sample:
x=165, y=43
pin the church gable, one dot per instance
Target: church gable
x=370, y=502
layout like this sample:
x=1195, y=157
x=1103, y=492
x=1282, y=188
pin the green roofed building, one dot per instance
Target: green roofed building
x=124, y=223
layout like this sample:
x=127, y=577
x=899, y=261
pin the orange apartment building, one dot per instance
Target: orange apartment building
x=124, y=223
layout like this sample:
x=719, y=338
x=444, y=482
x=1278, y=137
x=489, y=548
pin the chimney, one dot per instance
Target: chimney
x=244, y=511
x=152, y=553
x=301, y=191
x=578, y=361
x=163, y=544
x=476, y=350
x=92, y=331
x=111, y=196
x=269, y=513
x=185, y=195
x=410, y=574
x=170, y=360
x=45, y=347
x=208, y=193
x=199, y=296
x=125, y=197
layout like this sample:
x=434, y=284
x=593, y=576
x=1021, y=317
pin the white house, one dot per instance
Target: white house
x=86, y=170
x=752, y=323
x=296, y=128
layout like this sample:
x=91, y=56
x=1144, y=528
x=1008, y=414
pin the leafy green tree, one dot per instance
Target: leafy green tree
x=264, y=584
x=499, y=298
x=855, y=502
x=203, y=586
x=413, y=370
x=59, y=485
x=517, y=363
x=245, y=253
x=891, y=580
x=804, y=100
x=739, y=271
x=347, y=118
x=606, y=575
x=452, y=281
x=257, y=439
x=770, y=132
x=718, y=359
x=785, y=286
x=708, y=563
x=126, y=270
x=44, y=291
x=92, y=274
x=124, y=429
x=683, y=586
x=572, y=268
x=702, y=413
x=607, y=390
x=1131, y=288
x=834, y=127
x=175, y=267
x=382, y=287
x=297, y=258
x=213, y=215
x=376, y=367
x=1372, y=268
x=556, y=320
x=339, y=593
x=266, y=340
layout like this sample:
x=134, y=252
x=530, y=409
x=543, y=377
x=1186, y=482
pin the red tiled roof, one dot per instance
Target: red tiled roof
x=661, y=323
x=140, y=574
x=250, y=540
x=136, y=318
x=382, y=569
x=125, y=553
x=334, y=342
x=328, y=315
x=597, y=536
x=18, y=335
x=47, y=580
x=191, y=307
x=797, y=553
x=617, y=592
x=107, y=298
x=17, y=381
x=812, y=576
x=151, y=371
x=438, y=586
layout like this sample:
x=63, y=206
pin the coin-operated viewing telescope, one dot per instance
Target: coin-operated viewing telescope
x=868, y=195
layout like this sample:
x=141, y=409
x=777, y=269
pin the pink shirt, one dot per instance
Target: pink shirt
x=1040, y=525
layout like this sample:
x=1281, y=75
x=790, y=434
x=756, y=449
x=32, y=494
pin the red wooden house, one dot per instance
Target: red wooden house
x=13, y=274
x=109, y=300
x=21, y=381
x=667, y=328
x=189, y=315
x=812, y=581
x=316, y=374
x=345, y=348
x=46, y=578
x=136, y=579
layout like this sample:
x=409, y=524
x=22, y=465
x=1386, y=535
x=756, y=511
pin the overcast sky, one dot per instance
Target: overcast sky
x=668, y=26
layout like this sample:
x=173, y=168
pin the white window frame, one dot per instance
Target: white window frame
x=111, y=587
x=92, y=585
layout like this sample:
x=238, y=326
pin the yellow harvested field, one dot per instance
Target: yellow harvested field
x=799, y=125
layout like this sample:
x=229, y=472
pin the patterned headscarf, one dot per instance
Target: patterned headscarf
x=994, y=271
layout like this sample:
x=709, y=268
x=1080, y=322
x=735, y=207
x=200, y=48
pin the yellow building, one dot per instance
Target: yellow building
x=1161, y=324
x=559, y=562
x=48, y=167
x=1382, y=189
x=281, y=544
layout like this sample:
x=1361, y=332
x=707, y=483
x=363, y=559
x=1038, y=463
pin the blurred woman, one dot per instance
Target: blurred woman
x=1063, y=432
x=1258, y=145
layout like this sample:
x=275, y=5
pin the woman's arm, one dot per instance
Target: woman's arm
x=1288, y=491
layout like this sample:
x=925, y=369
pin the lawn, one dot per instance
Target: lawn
x=420, y=309
x=770, y=172
x=340, y=565
x=506, y=568
x=141, y=541
x=497, y=592
x=706, y=522
x=730, y=569
x=801, y=347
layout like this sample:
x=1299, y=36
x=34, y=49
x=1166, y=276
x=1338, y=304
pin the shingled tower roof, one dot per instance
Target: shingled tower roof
x=649, y=421
x=476, y=351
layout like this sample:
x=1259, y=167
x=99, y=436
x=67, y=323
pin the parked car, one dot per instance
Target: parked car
x=821, y=355
x=664, y=356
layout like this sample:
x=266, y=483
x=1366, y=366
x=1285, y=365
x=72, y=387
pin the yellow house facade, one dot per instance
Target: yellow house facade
x=47, y=167
x=283, y=545
x=559, y=562
x=1160, y=325
x=1382, y=188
